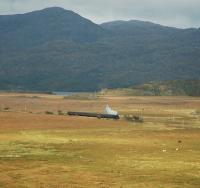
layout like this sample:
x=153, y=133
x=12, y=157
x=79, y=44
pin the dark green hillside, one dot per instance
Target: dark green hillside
x=56, y=49
x=136, y=27
x=174, y=87
x=51, y=24
x=168, y=88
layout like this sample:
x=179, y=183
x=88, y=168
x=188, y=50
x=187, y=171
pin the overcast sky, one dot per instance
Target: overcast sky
x=178, y=13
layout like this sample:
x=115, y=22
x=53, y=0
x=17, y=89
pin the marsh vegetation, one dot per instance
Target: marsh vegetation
x=44, y=150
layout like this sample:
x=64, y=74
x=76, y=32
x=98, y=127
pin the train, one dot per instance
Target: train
x=97, y=115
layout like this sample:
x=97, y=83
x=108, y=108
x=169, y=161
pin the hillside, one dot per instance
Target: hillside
x=51, y=24
x=167, y=88
x=56, y=49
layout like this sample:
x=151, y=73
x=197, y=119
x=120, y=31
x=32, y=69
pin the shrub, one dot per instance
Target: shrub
x=133, y=118
x=60, y=112
x=49, y=113
x=6, y=109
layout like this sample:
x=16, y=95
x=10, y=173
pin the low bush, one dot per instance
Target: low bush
x=6, y=109
x=133, y=118
x=60, y=112
x=49, y=113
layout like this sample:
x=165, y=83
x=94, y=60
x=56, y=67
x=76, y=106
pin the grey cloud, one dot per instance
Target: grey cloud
x=179, y=13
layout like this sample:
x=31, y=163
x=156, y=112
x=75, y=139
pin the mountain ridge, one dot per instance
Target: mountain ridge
x=56, y=49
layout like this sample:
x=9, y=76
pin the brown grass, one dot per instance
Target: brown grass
x=47, y=151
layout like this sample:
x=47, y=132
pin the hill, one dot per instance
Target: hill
x=56, y=49
x=167, y=88
x=51, y=24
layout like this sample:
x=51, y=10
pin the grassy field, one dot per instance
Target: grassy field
x=38, y=150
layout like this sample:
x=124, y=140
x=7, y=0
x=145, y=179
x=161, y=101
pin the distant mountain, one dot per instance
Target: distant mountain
x=39, y=27
x=56, y=49
x=167, y=88
x=136, y=27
